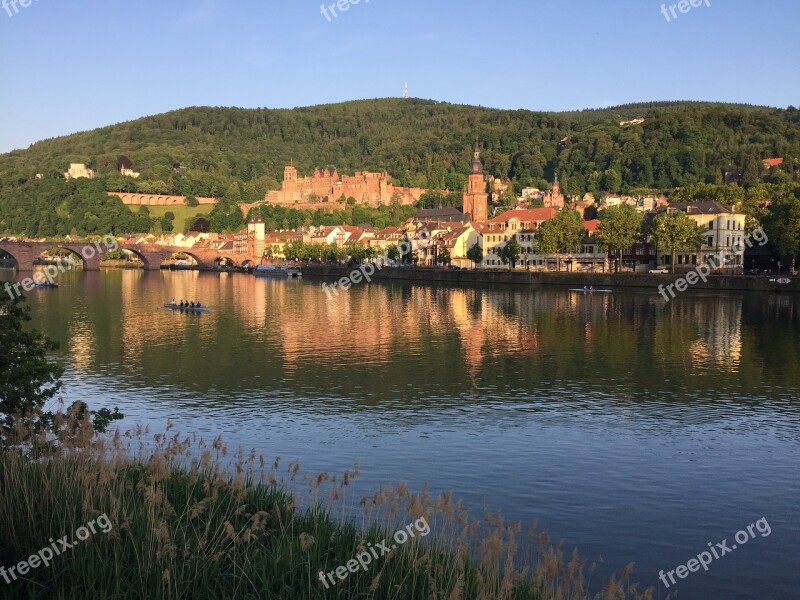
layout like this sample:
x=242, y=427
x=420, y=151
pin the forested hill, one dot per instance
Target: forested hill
x=427, y=144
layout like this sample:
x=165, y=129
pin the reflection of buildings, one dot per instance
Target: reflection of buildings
x=719, y=347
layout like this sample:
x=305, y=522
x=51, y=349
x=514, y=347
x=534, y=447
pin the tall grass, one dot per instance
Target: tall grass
x=191, y=520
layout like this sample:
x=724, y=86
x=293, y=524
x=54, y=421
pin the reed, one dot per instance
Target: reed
x=192, y=520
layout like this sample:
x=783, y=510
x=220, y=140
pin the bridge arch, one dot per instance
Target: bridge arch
x=7, y=256
x=145, y=257
x=82, y=259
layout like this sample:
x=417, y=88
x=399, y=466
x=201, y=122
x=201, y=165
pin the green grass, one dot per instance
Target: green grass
x=182, y=213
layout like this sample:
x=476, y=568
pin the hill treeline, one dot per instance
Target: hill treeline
x=240, y=153
x=422, y=142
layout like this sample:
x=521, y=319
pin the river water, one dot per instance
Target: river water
x=637, y=431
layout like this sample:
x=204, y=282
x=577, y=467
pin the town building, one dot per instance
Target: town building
x=554, y=198
x=724, y=242
x=772, y=162
x=522, y=224
x=457, y=242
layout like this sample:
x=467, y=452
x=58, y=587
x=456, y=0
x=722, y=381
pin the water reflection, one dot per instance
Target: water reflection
x=632, y=427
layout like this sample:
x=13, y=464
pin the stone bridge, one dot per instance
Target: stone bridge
x=92, y=253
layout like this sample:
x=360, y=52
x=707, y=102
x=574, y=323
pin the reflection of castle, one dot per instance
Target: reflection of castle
x=327, y=184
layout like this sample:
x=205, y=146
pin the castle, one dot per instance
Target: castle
x=366, y=187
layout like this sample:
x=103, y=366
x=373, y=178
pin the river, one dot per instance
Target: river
x=637, y=431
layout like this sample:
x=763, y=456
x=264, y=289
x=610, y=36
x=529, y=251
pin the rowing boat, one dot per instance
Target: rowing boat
x=200, y=309
x=590, y=291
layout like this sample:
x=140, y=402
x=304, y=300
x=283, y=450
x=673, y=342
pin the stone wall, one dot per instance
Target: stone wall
x=136, y=199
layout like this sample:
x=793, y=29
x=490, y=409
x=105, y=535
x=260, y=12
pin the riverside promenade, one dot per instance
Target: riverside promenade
x=518, y=277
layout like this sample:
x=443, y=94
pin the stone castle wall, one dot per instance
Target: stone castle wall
x=366, y=187
x=135, y=199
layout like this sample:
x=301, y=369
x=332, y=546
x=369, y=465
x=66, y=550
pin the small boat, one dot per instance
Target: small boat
x=279, y=271
x=45, y=284
x=197, y=309
x=590, y=291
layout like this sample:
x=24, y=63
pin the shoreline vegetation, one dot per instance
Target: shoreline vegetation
x=192, y=520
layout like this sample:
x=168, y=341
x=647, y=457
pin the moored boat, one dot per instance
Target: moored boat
x=278, y=271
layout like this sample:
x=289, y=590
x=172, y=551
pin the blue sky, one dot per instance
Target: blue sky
x=79, y=64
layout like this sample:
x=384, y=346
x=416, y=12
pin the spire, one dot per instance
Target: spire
x=477, y=165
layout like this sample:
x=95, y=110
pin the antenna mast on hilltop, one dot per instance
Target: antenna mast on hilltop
x=405, y=91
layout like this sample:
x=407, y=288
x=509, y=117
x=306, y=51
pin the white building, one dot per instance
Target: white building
x=724, y=241
x=78, y=171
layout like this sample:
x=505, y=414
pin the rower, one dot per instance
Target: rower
x=191, y=304
x=198, y=305
x=181, y=304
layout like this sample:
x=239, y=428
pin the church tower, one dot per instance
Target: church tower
x=475, y=198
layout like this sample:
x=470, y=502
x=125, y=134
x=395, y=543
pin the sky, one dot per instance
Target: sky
x=75, y=65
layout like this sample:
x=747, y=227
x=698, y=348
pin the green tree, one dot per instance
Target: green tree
x=510, y=252
x=475, y=254
x=620, y=227
x=28, y=379
x=611, y=181
x=675, y=232
x=443, y=256
x=782, y=224
x=393, y=253
x=561, y=235
x=191, y=201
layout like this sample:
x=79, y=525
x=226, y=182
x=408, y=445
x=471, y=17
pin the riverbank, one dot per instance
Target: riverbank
x=150, y=528
x=532, y=278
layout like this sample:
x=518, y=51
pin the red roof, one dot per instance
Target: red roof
x=526, y=214
x=772, y=162
x=591, y=226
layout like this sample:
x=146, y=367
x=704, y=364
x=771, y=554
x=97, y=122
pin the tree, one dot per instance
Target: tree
x=475, y=254
x=28, y=379
x=393, y=253
x=782, y=224
x=620, y=227
x=562, y=234
x=676, y=232
x=191, y=201
x=611, y=181
x=510, y=252
x=234, y=194
x=443, y=256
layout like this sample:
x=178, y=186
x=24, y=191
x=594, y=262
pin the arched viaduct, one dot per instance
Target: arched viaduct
x=91, y=254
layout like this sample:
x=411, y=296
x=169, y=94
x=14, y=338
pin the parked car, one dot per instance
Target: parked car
x=664, y=270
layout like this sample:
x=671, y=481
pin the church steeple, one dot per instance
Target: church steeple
x=475, y=198
x=477, y=165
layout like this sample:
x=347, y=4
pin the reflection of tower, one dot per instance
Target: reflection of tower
x=476, y=198
x=405, y=91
